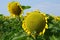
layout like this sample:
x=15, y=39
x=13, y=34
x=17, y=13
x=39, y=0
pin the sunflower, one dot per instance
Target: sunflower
x=15, y=8
x=57, y=18
x=35, y=23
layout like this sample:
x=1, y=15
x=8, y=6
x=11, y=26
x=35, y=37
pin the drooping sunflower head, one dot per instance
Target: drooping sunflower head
x=35, y=22
x=14, y=8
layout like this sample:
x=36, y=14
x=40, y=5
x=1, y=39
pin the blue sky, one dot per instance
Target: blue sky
x=48, y=6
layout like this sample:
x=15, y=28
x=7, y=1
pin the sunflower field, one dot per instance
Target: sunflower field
x=36, y=25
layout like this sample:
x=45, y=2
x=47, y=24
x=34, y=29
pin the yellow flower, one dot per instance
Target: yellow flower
x=14, y=8
x=35, y=22
x=57, y=18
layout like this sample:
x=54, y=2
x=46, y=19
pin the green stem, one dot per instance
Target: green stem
x=36, y=37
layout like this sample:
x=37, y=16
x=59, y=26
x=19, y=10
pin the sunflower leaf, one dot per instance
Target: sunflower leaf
x=26, y=7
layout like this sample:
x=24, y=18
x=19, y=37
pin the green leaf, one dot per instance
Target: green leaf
x=26, y=7
x=53, y=38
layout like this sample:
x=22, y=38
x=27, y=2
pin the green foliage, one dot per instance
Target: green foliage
x=11, y=29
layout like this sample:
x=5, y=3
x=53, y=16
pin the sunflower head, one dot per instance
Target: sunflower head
x=14, y=8
x=35, y=22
